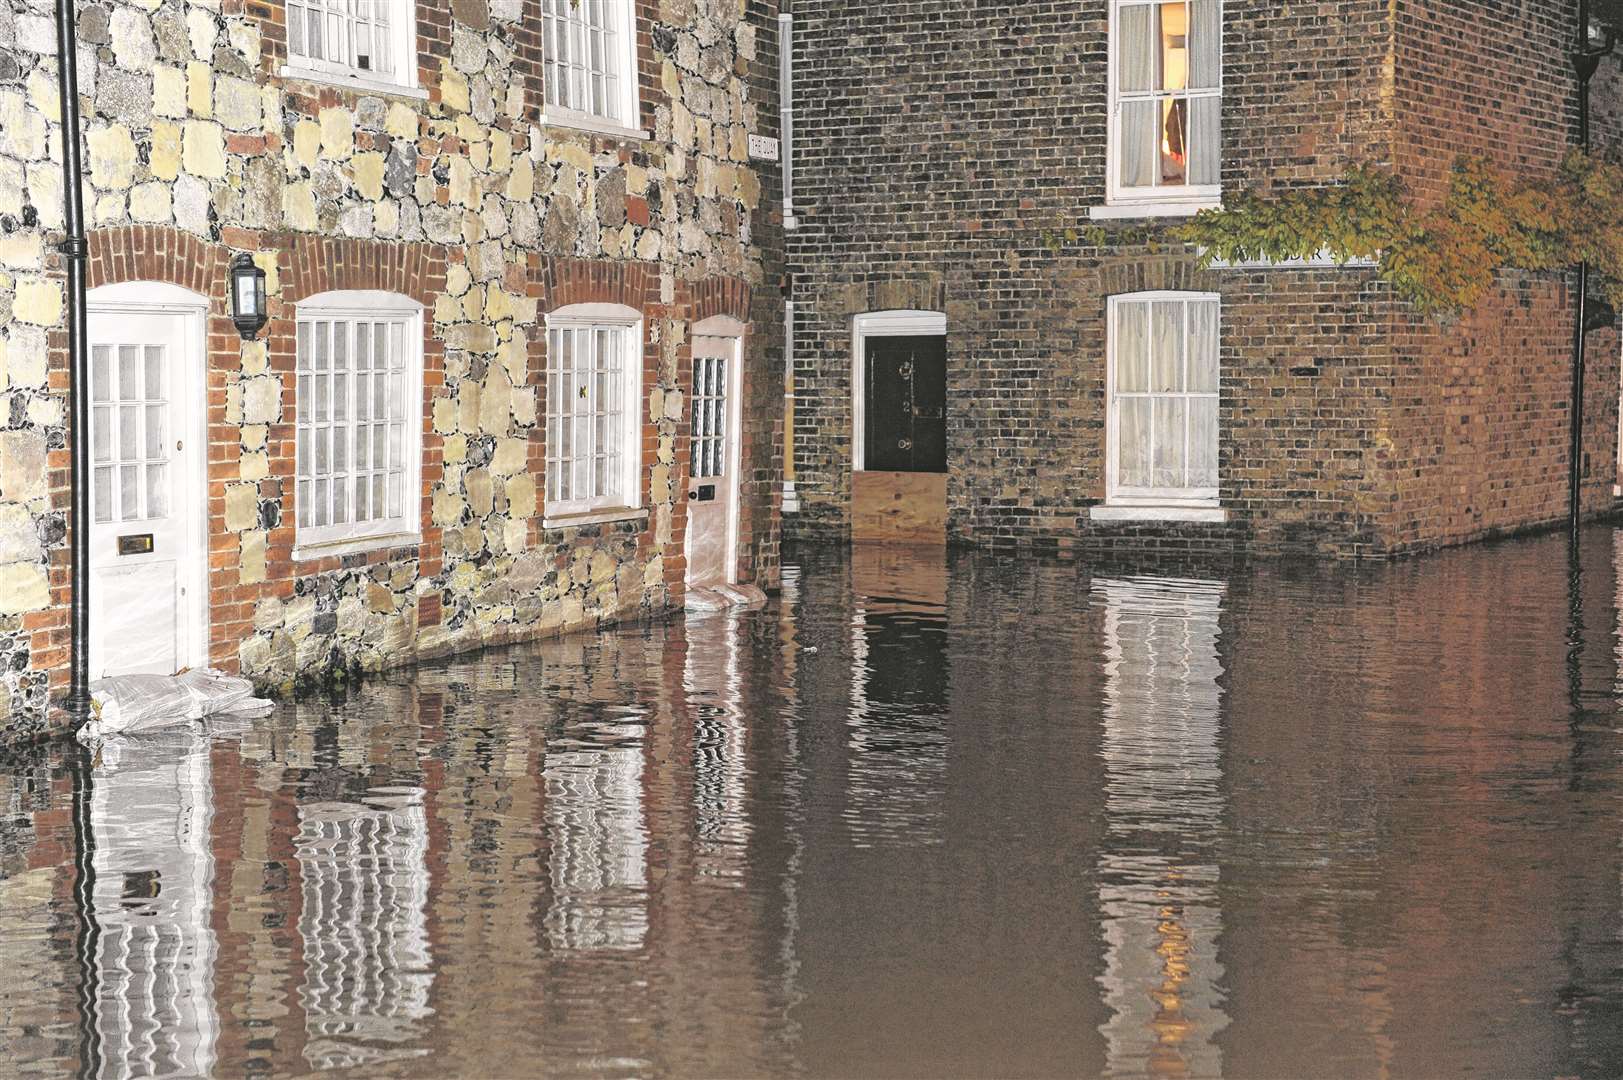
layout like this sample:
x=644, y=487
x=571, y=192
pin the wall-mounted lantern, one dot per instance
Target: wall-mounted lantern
x=247, y=296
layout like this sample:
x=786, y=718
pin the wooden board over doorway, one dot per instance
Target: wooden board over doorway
x=899, y=507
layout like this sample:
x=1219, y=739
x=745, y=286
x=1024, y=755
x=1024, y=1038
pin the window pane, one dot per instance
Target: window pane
x=1205, y=140
x=129, y=492
x=1167, y=466
x=157, y=491
x=1203, y=351
x=1203, y=442
x=1138, y=123
x=1174, y=38
x=1133, y=443
x=103, y=487
x=155, y=432
x=129, y=432
x=129, y=372
x=1174, y=140
x=1132, y=348
x=1136, y=54
x=1205, y=43
x=101, y=359
x=1166, y=348
x=101, y=434
x=154, y=372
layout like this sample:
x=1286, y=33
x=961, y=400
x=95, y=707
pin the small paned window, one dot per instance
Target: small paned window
x=370, y=40
x=1163, y=399
x=358, y=417
x=589, y=50
x=1166, y=92
x=594, y=431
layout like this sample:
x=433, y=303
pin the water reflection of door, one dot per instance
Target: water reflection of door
x=1158, y=865
x=713, y=484
x=364, y=928
x=152, y=1002
x=714, y=686
x=898, y=722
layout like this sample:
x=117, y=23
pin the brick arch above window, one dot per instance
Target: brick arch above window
x=599, y=281
x=720, y=296
x=320, y=264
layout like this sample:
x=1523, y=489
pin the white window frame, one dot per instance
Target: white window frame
x=628, y=320
x=628, y=107
x=402, y=43
x=406, y=527
x=1162, y=201
x=1155, y=503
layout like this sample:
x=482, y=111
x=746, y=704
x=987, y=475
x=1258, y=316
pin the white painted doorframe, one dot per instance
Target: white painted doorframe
x=189, y=400
x=726, y=327
x=898, y=323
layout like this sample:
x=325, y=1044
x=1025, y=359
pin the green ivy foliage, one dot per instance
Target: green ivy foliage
x=1441, y=258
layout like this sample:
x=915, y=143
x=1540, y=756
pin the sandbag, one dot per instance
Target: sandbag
x=131, y=703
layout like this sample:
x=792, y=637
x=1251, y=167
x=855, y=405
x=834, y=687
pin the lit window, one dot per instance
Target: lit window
x=365, y=40
x=590, y=56
x=359, y=416
x=594, y=431
x=1163, y=380
x=1166, y=90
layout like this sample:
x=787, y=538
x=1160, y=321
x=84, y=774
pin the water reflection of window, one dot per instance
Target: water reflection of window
x=599, y=848
x=1158, y=868
x=152, y=1004
x=364, y=928
x=714, y=688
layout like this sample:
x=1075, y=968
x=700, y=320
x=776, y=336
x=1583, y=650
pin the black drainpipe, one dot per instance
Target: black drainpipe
x=1586, y=59
x=77, y=252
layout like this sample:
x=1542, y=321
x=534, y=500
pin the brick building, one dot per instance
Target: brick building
x=1109, y=393
x=496, y=235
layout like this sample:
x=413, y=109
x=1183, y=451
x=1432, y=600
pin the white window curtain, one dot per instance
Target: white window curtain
x=1167, y=97
x=1164, y=399
x=358, y=421
x=592, y=416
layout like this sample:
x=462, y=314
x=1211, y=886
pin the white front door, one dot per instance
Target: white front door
x=713, y=475
x=146, y=555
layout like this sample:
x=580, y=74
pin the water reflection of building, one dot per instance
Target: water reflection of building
x=1158, y=871
x=364, y=886
x=151, y=998
x=599, y=846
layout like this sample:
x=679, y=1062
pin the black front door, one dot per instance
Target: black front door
x=905, y=404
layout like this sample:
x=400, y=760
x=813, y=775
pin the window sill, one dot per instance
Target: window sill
x=595, y=126
x=1166, y=208
x=353, y=82
x=593, y=517
x=330, y=548
x=1211, y=514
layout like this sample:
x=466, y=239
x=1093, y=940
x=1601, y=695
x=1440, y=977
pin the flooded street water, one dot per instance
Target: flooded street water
x=923, y=815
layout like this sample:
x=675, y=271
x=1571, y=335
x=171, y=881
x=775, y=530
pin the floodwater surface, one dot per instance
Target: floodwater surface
x=922, y=815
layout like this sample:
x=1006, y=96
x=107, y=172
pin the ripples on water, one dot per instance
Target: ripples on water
x=924, y=815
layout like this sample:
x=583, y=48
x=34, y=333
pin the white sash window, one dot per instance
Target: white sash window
x=594, y=415
x=359, y=416
x=1166, y=93
x=589, y=50
x=362, y=40
x=1163, y=400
